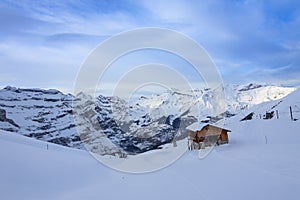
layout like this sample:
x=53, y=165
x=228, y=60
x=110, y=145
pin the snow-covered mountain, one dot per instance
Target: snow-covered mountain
x=110, y=125
x=241, y=97
x=236, y=98
x=286, y=108
x=262, y=155
x=48, y=115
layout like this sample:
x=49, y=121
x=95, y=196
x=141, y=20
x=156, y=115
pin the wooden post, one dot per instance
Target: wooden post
x=291, y=113
x=174, y=143
x=277, y=114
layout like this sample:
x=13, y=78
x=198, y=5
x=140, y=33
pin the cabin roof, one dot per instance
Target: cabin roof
x=198, y=126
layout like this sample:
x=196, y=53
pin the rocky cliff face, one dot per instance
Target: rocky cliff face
x=10, y=124
x=110, y=125
x=110, y=118
x=42, y=114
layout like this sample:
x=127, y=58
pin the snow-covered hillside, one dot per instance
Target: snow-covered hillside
x=42, y=114
x=110, y=125
x=247, y=168
x=236, y=98
x=286, y=108
x=240, y=97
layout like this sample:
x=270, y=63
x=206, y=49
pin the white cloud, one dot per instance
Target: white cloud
x=240, y=35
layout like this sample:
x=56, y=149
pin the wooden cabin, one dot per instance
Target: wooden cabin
x=204, y=134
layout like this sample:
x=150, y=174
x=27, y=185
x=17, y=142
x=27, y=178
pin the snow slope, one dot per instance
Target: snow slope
x=276, y=109
x=246, y=168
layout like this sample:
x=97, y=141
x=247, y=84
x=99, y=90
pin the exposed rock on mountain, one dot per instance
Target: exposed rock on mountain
x=110, y=125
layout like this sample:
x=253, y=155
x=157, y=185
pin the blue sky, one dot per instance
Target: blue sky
x=43, y=43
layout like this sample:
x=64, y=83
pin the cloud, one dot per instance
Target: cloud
x=80, y=17
x=43, y=45
x=248, y=40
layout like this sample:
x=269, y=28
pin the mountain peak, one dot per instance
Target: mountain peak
x=33, y=90
x=250, y=86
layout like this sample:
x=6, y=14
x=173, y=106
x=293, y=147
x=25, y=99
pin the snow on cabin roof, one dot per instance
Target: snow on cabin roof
x=198, y=126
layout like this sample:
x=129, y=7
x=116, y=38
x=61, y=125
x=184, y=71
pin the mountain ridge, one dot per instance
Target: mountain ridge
x=110, y=125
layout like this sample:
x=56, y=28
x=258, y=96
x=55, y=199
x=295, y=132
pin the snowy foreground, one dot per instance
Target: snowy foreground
x=262, y=161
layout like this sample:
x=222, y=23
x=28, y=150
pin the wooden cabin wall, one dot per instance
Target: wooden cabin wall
x=203, y=131
x=192, y=135
x=224, y=135
x=214, y=131
x=210, y=133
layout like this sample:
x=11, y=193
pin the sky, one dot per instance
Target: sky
x=44, y=43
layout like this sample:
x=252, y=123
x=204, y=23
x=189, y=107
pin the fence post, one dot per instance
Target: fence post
x=291, y=111
x=266, y=139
